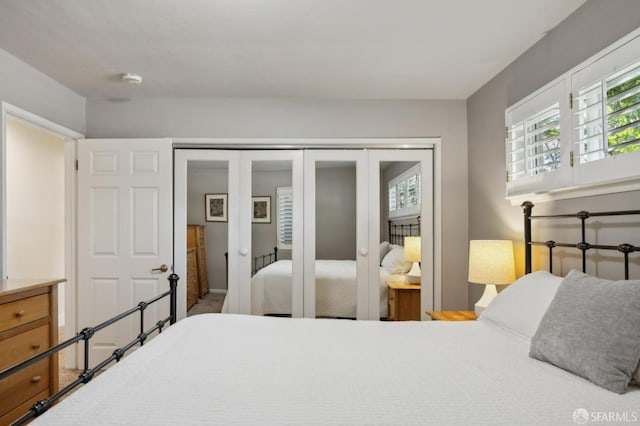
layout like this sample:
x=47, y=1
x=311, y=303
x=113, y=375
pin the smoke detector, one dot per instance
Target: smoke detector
x=131, y=78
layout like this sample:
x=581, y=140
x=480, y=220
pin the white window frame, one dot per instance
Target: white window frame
x=574, y=178
x=406, y=211
x=279, y=191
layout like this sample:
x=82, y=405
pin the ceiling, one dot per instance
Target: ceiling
x=326, y=49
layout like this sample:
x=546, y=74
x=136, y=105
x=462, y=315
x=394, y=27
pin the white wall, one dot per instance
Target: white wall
x=35, y=203
x=588, y=30
x=237, y=118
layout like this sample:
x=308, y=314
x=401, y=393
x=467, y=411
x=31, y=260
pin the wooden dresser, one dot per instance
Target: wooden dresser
x=197, y=239
x=192, y=278
x=28, y=326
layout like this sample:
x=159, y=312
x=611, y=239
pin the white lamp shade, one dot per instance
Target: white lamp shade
x=412, y=249
x=491, y=262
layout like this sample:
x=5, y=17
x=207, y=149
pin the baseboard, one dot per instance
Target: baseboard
x=218, y=290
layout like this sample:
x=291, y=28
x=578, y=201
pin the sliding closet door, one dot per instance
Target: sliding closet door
x=271, y=231
x=336, y=234
x=207, y=190
x=407, y=203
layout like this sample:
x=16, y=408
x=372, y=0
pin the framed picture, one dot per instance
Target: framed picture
x=215, y=207
x=261, y=209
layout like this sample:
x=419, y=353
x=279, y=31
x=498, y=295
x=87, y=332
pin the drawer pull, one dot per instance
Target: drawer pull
x=35, y=379
x=35, y=346
x=19, y=314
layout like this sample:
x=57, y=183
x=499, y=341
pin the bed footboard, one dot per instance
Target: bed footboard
x=85, y=335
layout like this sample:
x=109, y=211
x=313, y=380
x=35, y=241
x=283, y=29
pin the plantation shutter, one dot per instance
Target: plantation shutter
x=285, y=217
x=534, y=139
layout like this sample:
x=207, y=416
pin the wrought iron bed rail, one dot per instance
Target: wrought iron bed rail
x=85, y=335
x=397, y=231
x=582, y=245
x=262, y=260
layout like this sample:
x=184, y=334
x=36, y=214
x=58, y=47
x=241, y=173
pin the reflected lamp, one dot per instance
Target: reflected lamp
x=491, y=262
x=412, y=247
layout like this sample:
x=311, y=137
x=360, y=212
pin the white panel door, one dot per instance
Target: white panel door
x=124, y=233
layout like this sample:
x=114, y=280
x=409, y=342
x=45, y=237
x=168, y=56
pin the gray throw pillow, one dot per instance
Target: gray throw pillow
x=592, y=329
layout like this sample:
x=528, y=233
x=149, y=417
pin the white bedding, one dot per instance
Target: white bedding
x=335, y=289
x=232, y=369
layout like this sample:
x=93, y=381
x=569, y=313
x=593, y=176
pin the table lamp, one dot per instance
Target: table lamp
x=412, y=246
x=490, y=262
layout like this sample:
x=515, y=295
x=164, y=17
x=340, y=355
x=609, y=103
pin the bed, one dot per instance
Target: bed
x=336, y=289
x=234, y=369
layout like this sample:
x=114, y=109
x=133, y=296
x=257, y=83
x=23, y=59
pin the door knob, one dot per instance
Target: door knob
x=162, y=268
x=363, y=252
x=244, y=252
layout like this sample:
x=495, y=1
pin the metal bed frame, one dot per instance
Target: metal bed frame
x=397, y=231
x=85, y=335
x=263, y=260
x=582, y=245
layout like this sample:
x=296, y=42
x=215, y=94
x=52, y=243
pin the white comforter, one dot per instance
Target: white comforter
x=249, y=370
x=336, y=292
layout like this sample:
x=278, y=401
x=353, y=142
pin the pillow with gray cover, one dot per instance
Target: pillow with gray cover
x=384, y=249
x=592, y=329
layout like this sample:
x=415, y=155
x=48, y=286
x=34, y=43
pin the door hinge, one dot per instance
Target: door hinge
x=76, y=164
x=571, y=158
x=506, y=132
x=507, y=176
x=570, y=100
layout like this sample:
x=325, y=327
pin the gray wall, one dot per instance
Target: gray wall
x=25, y=87
x=590, y=29
x=264, y=236
x=198, y=117
x=336, y=213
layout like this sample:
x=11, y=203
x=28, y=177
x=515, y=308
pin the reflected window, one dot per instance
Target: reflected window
x=285, y=217
x=404, y=193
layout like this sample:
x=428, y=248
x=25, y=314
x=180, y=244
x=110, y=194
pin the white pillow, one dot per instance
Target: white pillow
x=520, y=306
x=394, y=261
x=384, y=249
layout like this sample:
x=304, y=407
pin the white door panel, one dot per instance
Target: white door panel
x=124, y=231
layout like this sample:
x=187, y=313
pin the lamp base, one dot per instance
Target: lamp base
x=413, y=276
x=490, y=292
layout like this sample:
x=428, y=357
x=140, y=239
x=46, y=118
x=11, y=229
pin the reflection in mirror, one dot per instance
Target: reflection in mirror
x=336, y=272
x=207, y=235
x=271, y=237
x=400, y=207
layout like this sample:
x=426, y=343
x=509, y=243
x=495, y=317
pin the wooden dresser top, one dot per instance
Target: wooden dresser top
x=16, y=285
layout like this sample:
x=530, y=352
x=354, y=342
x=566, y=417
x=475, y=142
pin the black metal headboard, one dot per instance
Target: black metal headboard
x=582, y=245
x=397, y=231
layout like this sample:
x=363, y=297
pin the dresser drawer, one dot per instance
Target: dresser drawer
x=23, y=346
x=24, y=385
x=22, y=408
x=23, y=311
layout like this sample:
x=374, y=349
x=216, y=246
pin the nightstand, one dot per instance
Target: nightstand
x=403, y=301
x=452, y=315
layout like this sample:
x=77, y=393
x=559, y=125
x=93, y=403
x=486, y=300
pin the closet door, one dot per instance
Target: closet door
x=385, y=167
x=336, y=243
x=207, y=192
x=270, y=259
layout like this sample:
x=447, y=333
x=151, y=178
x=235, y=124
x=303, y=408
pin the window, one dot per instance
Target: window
x=593, y=140
x=536, y=147
x=284, y=197
x=404, y=193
